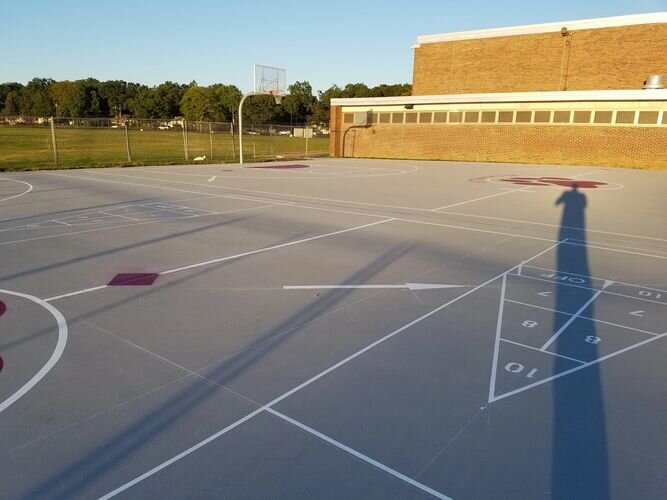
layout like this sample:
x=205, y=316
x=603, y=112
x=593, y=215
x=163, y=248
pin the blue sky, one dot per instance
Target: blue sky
x=323, y=42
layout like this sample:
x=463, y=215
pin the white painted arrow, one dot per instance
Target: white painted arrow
x=406, y=286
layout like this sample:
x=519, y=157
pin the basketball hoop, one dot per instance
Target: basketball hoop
x=278, y=97
x=267, y=80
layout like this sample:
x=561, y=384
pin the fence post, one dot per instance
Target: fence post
x=210, y=136
x=231, y=129
x=53, y=141
x=127, y=143
x=185, y=139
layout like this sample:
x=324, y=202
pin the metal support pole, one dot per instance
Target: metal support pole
x=185, y=140
x=55, y=144
x=127, y=144
x=231, y=129
x=210, y=135
x=245, y=96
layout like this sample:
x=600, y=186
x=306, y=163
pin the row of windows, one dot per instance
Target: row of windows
x=507, y=117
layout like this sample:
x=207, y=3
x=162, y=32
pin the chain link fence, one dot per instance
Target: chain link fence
x=28, y=142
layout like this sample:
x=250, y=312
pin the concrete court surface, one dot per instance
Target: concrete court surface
x=334, y=329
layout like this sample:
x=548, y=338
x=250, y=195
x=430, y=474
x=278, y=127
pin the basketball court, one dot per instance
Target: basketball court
x=334, y=328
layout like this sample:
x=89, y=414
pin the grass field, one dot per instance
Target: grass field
x=23, y=148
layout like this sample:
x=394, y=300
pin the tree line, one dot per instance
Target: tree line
x=218, y=102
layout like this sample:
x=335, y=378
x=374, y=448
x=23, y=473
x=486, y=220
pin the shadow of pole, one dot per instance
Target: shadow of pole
x=73, y=478
x=580, y=468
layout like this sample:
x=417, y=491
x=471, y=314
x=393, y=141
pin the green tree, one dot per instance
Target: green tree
x=300, y=102
x=198, y=103
x=259, y=109
x=168, y=96
x=6, y=89
x=12, y=103
x=227, y=99
x=143, y=105
x=35, y=99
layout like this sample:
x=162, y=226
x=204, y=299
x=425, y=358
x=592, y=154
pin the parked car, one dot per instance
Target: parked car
x=285, y=132
x=251, y=132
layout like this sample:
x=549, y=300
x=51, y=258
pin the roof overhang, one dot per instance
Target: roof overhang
x=585, y=24
x=562, y=96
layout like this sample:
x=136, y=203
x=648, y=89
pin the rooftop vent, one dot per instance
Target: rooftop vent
x=654, y=82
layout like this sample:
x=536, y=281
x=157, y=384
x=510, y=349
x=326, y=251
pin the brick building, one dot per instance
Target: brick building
x=563, y=93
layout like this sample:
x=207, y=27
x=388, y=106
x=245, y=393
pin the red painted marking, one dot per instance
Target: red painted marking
x=553, y=181
x=2, y=363
x=283, y=167
x=3, y=308
x=133, y=279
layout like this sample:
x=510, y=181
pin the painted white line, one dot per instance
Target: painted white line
x=153, y=221
x=227, y=258
x=582, y=317
x=55, y=356
x=618, y=250
x=577, y=368
x=368, y=204
x=254, y=191
x=232, y=197
x=476, y=199
x=352, y=203
x=496, y=346
x=292, y=391
x=212, y=178
x=558, y=226
x=406, y=286
x=30, y=188
x=537, y=349
x=575, y=316
x=634, y=285
x=505, y=191
x=607, y=292
x=181, y=455
x=274, y=247
x=359, y=455
x=72, y=294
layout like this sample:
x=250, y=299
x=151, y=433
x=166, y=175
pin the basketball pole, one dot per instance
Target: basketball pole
x=245, y=96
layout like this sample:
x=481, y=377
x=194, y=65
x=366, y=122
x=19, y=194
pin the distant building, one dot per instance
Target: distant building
x=575, y=92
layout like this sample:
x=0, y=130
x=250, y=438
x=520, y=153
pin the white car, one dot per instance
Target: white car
x=252, y=132
x=285, y=132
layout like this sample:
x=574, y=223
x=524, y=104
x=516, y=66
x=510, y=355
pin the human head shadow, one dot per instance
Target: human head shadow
x=580, y=468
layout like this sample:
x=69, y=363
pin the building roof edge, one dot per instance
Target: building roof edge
x=603, y=22
x=557, y=96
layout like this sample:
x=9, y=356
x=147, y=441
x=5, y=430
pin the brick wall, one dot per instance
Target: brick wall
x=574, y=145
x=597, y=59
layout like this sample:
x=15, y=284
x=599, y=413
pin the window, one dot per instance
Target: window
x=455, y=116
x=488, y=116
x=472, y=117
x=648, y=117
x=664, y=117
x=582, y=117
x=385, y=117
x=360, y=118
x=603, y=116
x=411, y=117
x=562, y=116
x=505, y=116
x=440, y=117
x=625, y=117
x=397, y=118
x=348, y=117
x=523, y=116
x=425, y=117
x=542, y=116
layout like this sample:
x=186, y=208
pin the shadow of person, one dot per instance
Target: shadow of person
x=579, y=449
